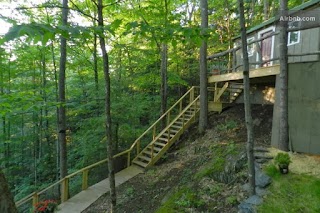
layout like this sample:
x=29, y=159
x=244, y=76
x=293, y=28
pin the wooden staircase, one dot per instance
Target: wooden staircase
x=171, y=133
x=235, y=89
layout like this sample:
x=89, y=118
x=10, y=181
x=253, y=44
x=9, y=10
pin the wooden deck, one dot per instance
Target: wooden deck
x=260, y=72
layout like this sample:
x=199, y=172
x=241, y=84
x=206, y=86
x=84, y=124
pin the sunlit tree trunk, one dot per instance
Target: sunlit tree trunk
x=62, y=96
x=247, y=103
x=203, y=120
x=107, y=108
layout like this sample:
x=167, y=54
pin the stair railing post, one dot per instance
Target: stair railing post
x=183, y=121
x=215, y=92
x=168, y=118
x=154, y=132
x=65, y=189
x=192, y=95
x=35, y=199
x=128, y=158
x=152, y=146
x=85, y=179
x=180, y=109
x=234, y=60
x=138, y=147
x=168, y=135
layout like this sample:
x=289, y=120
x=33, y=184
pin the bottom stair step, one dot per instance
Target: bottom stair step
x=143, y=157
x=144, y=165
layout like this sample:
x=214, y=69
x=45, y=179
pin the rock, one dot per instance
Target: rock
x=246, y=208
x=260, y=149
x=262, y=180
x=254, y=200
x=262, y=156
x=260, y=191
x=261, y=160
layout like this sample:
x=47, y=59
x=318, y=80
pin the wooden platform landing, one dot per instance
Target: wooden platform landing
x=84, y=199
x=260, y=72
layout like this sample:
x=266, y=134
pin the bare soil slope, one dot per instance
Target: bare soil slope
x=186, y=180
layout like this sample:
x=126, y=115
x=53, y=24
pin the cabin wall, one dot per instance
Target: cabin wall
x=304, y=108
x=309, y=42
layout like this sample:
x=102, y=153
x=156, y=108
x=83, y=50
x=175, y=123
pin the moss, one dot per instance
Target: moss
x=181, y=199
x=218, y=161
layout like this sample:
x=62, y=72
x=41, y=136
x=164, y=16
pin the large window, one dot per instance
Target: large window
x=293, y=37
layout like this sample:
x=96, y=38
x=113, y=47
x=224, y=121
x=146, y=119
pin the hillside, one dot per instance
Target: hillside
x=192, y=176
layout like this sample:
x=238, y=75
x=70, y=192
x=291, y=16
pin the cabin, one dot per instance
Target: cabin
x=303, y=74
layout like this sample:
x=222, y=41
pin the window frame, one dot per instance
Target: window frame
x=290, y=25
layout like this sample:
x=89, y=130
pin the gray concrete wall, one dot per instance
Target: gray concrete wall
x=304, y=108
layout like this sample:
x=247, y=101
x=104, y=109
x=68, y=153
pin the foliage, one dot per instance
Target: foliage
x=29, y=55
x=282, y=159
x=183, y=198
x=292, y=193
x=218, y=160
x=228, y=125
x=46, y=206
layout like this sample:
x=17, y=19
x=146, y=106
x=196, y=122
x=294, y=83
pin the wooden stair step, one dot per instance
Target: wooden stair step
x=160, y=144
x=144, y=165
x=166, y=135
x=178, y=122
x=176, y=127
x=155, y=149
x=143, y=157
x=163, y=139
x=148, y=153
x=174, y=130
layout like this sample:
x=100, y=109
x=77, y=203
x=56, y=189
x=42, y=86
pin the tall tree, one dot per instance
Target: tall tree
x=7, y=204
x=105, y=58
x=283, y=79
x=247, y=103
x=62, y=95
x=203, y=120
x=164, y=65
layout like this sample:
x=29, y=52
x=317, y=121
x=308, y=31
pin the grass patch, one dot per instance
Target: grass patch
x=217, y=164
x=291, y=193
x=180, y=200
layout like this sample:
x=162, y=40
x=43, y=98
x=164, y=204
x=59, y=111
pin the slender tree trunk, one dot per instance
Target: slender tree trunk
x=247, y=103
x=203, y=120
x=164, y=69
x=283, y=79
x=265, y=9
x=107, y=109
x=62, y=96
x=7, y=204
x=164, y=78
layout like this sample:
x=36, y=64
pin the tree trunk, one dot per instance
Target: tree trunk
x=247, y=103
x=164, y=78
x=107, y=109
x=62, y=96
x=203, y=120
x=7, y=204
x=283, y=79
x=265, y=10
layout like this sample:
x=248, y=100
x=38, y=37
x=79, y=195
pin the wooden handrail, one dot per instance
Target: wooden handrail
x=84, y=171
x=177, y=117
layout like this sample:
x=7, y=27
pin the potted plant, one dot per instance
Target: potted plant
x=46, y=206
x=283, y=160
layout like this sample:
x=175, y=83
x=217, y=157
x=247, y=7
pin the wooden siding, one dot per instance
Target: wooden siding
x=304, y=108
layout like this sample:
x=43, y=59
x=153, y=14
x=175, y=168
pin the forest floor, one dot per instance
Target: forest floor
x=188, y=178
